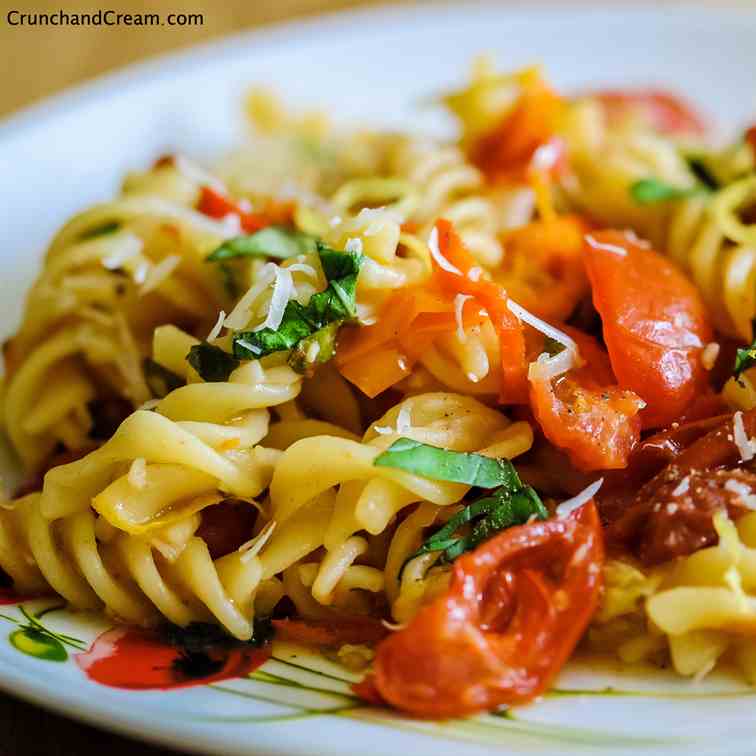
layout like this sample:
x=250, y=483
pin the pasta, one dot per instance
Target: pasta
x=371, y=384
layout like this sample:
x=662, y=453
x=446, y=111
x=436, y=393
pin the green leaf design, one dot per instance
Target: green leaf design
x=38, y=643
x=650, y=191
x=277, y=242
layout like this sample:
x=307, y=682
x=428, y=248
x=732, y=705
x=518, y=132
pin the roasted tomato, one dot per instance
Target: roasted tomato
x=663, y=111
x=585, y=413
x=671, y=514
x=514, y=610
x=654, y=324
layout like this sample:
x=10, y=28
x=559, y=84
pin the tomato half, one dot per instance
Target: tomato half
x=585, y=413
x=513, y=613
x=654, y=322
x=664, y=111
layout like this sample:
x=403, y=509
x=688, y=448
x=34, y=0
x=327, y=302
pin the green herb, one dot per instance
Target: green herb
x=486, y=516
x=314, y=350
x=211, y=362
x=336, y=305
x=230, y=284
x=701, y=171
x=650, y=191
x=108, y=227
x=159, y=379
x=745, y=358
x=442, y=464
x=278, y=242
x=552, y=347
x=510, y=503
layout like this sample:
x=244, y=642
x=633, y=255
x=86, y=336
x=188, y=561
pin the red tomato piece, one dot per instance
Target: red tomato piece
x=217, y=205
x=494, y=298
x=664, y=111
x=513, y=613
x=585, y=413
x=654, y=322
x=331, y=632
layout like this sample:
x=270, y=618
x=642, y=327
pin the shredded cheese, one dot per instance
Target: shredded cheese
x=156, y=275
x=252, y=548
x=570, y=505
x=614, y=248
x=682, y=487
x=542, y=326
x=216, y=329
x=353, y=245
x=241, y=314
x=746, y=446
x=745, y=495
x=459, y=304
x=283, y=289
x=441, y=261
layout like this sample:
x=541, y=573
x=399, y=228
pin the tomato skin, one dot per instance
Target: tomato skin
x=665, y=112
x=494, y=298
x=654, y=323
x=505, y=626
x=584, y=413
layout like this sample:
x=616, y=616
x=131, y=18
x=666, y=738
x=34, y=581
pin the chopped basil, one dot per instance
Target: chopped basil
x=745, y=358
x=211, y=362
x=552, y=347
x=500, y=510
x=159, y=379
x=701, y=171
x=442, y=464
x=315, y=349
x=509, y=503
x=650, y=191
x=103, y=229
x=336, y=304
x=278, y=242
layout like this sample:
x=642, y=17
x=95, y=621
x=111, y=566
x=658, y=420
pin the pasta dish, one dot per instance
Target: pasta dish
x=448, y=411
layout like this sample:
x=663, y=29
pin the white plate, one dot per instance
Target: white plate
x=372, y=67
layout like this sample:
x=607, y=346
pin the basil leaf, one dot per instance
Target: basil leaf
x=295, y=325
x=745, y=358
x=314, y=350
x=108, y=227
x=159, y=379
x=278, y=242
x=442, y=464
x=552, y=347
x=335, y=305
x=211, y=362
x=650, y=191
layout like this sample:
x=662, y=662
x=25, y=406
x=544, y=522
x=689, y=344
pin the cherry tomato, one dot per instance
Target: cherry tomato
x=584, y=413
x=654, y=323
x=664, y=111
x=514, y=610
x=217, y=205
x=494, y=298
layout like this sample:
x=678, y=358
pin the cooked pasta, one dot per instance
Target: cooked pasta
x=377, y=384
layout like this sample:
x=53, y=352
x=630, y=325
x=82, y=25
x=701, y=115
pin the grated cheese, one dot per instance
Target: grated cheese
x=570, y=505
x=441, y=261
x=682, y=487
x=216, y=329
x=403, y=423
x=614, y=248
x=283, y=289
x=459, y=304
x=745, y=445
x=252, y=548
x=542, y=326
x=745, y=495
x=137, y=476
x=353, y=245
x=241, y=314
x=475, y=273
x=156, y=275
